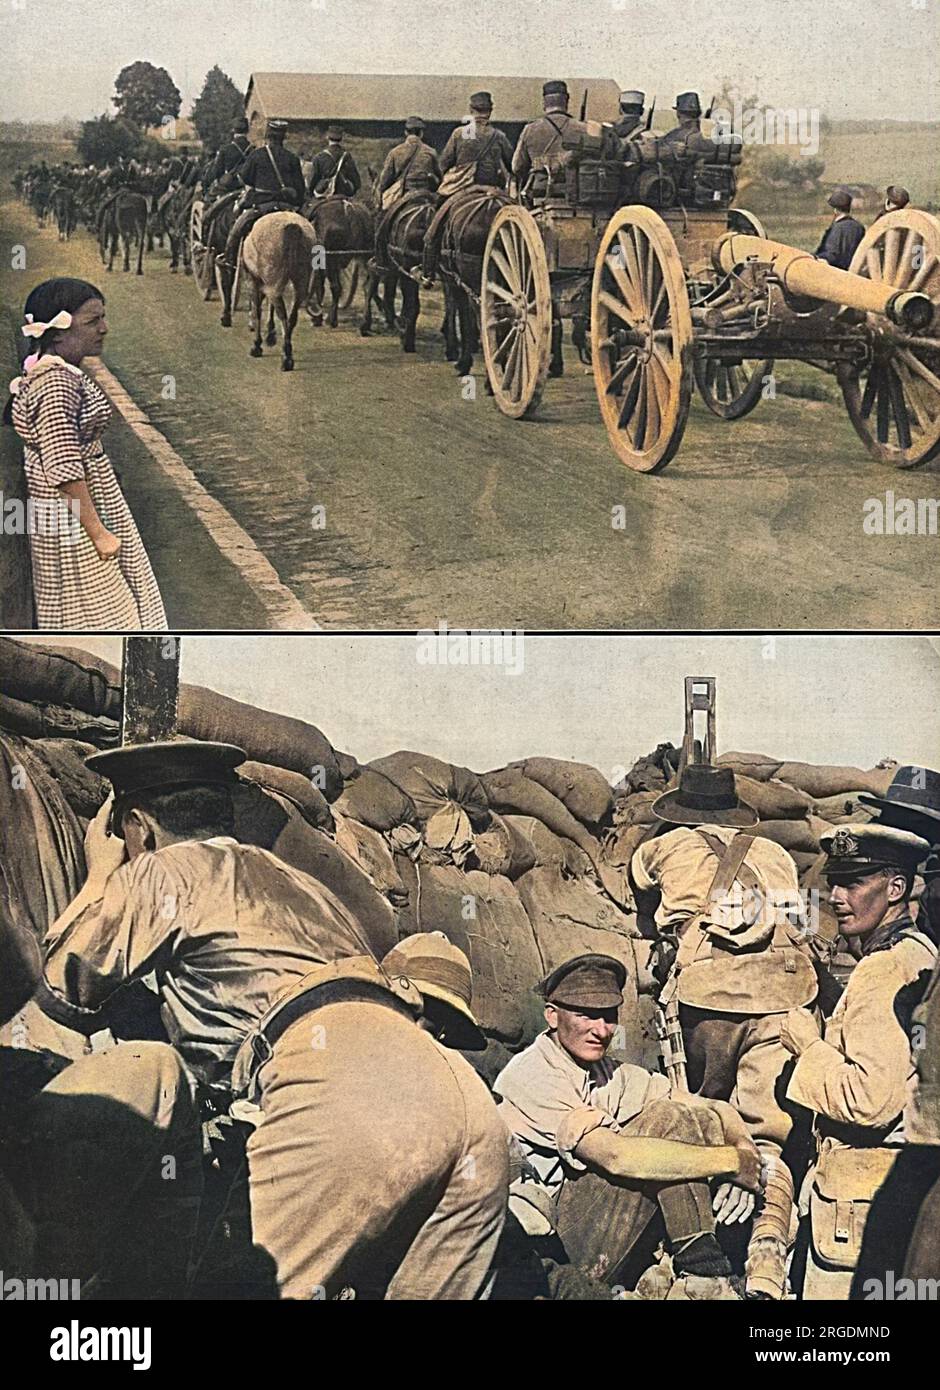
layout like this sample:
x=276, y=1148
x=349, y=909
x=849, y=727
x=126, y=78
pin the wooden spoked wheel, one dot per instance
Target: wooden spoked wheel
x=893, y=399
x=516, y=311
x=641, y=338
x=731, y=390
x=199, y=255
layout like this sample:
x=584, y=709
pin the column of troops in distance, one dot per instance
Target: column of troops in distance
x=630, y=235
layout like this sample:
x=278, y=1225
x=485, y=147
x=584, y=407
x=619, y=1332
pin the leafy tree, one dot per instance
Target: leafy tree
x=144, y=94
x=104, y=139
x=216, y=107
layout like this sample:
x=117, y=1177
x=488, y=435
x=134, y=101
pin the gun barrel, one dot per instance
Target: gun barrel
x=802, y=274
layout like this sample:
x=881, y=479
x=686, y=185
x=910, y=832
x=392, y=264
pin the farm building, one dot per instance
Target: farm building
x=375, y=106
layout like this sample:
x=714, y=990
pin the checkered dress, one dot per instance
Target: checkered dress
x=60, y=415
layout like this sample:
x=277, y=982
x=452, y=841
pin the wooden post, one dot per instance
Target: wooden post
x=699, y=698
x=150, y=688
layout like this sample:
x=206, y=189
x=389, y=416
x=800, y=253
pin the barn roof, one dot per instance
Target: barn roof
x=310, y=96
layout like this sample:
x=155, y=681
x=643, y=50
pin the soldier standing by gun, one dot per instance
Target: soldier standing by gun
x=729, y=971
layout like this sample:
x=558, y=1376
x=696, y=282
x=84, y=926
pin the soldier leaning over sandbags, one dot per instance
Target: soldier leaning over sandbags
x=254, y=962
x=609, y=1144
x=732, y=961
x=859, y=1076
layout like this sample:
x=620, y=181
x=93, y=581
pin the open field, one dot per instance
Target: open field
x=437, y=507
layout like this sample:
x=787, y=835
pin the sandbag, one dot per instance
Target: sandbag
x=64, y=760
x=653, y=771
x=533, y=844
x=509, y=791
x=373, y=800
x=268, y=819
x=760, y=766
x=585, y=791
x=59, y=676
x=368, y=849
x=42, y=857
x=431, y=784
x=57, y=721
x=794, y=834
x=636, y=808
x=493, y=848
x=819, y=780
x=568, y=919
x=448, y=837
x=498, y=940
x=844, y=809
x=306, y=797
x=265, y=737
x=772, y=800
x=620, y=845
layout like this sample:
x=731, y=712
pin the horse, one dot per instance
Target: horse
x=345, y=233
x=276, y=256
x=124, y=219
x=64, y=210
x=172, y=213
x=399, y=246
x=454, y=248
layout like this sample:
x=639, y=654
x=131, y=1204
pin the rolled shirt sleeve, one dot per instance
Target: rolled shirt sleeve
x=114, y=941
x=58, y=400
x=863, y=1080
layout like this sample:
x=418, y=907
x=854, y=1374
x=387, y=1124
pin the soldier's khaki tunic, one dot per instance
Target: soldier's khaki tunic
x=416, y=160
x=860, y=1075
x=541, y=143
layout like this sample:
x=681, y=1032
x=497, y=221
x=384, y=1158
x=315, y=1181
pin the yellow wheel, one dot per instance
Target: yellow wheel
x=894, y=399
x=641, y=338
x=516, y=311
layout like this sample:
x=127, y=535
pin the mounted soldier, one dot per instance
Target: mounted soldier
x=223, y=178
x=333, y=171
x=476, y=152
x=859, y=1077
x=731, y=963
x=410, y=167
x=631, y=114
x=273, y=181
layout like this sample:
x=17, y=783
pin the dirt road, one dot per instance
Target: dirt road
x=435, y=507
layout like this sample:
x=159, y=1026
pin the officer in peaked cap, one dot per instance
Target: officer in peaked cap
x=148, y=767
x=857, y=1077
x=631, y=113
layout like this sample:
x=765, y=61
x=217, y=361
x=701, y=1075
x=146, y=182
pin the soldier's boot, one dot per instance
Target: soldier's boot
x=228, y=261
x=772, y=1234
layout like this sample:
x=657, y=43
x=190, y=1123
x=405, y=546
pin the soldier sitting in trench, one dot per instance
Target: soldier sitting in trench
x=613, y=1146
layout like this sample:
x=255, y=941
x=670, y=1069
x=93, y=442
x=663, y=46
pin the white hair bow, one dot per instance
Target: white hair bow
x=32, y=329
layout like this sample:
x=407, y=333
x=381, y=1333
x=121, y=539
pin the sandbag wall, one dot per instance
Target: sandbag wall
x=521, y=866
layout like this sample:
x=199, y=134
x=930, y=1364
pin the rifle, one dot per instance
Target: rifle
x=649, y=118
x=584, y=104
x=711, y=107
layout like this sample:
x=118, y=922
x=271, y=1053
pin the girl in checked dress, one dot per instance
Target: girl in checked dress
x=90, y=569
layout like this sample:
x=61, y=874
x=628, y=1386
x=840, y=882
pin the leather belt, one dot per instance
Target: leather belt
x=330, y=992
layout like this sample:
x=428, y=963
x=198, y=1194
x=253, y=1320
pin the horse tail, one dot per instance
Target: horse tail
x=295, y=269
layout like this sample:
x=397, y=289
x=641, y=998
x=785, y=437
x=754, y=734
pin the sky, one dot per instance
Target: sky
x=849, y=58
x=602, y=700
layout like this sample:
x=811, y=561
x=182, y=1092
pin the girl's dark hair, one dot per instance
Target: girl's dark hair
x=44, y=302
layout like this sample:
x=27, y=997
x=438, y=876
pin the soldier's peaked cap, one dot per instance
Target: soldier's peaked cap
x=856, y=850
x=689, y=103
x=555, y=89
x=414, y=123
x=481, y=101
x=335, y=132
x=240, y=125
x=276, y=126
x=586, y=982
x=915, y=791
x=632, y=98
x=158, y=766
